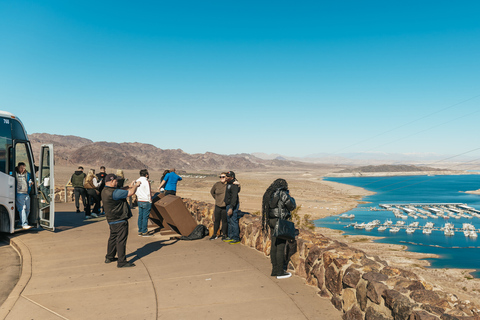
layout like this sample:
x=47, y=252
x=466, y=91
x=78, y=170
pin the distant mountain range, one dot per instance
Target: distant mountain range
x=73, y=150
x=365, y=158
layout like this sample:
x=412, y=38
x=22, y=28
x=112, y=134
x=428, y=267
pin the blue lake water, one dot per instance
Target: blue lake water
x=455, y=251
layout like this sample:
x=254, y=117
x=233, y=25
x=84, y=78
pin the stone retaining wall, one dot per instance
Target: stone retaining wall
x=362, y=287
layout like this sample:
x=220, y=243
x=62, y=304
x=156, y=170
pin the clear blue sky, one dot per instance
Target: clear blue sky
x=247, y=76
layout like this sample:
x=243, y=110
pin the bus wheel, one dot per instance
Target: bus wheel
x=4, y=220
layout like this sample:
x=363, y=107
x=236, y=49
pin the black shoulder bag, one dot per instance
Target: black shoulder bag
x=284, y=229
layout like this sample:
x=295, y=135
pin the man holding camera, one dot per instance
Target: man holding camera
x=117, y=212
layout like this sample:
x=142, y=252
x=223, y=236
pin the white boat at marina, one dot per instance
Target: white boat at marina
x=400, y=223
x=413, y=224
x=410, y=230
x=394, y=229
x=359, y=225
x=427, y=231
x=447, y=226
x=369, y=227
x=468, y=226
x=347, y=216
x=473, y=234
x=388, y=222
x=449, y=232
x=429, y=225
x=382, y=228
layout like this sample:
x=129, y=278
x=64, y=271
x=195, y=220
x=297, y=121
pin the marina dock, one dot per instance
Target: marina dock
x=403, y=211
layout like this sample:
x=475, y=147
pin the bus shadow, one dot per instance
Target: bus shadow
x=68, y=220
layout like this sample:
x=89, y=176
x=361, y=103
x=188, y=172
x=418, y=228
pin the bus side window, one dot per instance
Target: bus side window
x=3, y=155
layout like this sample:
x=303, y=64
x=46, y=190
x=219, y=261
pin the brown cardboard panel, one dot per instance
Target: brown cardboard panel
x=170, y=211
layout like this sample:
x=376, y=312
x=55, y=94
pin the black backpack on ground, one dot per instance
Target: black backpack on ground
x=199, y=232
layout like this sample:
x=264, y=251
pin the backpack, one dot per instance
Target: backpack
x=199, y=232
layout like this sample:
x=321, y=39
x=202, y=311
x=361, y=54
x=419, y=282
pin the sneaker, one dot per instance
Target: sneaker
x=127, y=265
x=146, y=234
x=110, y=260
x=26, y=227
x=213, y=238
x=227, y=239
x=234, y=241
x=88, y=217
x=285, y=275
x=94, y=215
x=140, y=234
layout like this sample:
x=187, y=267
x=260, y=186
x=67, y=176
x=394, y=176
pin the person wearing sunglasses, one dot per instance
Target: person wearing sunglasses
x=220, y=212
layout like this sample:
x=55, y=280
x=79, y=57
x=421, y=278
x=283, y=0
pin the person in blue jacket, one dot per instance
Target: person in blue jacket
x=170, y=182
x=24, y=187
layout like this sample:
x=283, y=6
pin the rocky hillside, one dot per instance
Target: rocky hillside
x=72, y=150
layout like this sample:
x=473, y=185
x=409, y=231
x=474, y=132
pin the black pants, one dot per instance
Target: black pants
x=220, y=214
x=83, y=193
x=172, y=192
x=277, y=251
x=117, y=242
x=94, y=199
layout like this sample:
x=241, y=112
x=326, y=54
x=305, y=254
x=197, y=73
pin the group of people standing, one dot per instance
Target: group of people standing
x=88, y=187
x=227, y=204
x=276, y=204
x=118, y=211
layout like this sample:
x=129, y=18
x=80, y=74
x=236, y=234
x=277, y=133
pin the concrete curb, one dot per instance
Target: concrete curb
x=26, y=274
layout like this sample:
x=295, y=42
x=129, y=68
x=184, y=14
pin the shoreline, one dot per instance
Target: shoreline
x=394, y=174
x=474, y=192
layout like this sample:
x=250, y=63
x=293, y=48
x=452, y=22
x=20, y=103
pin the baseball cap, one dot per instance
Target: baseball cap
x=110, y=177
x=230, y=174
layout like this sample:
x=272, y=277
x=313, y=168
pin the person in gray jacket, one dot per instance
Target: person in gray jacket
x=277, y=204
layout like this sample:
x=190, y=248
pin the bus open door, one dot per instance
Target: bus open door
x=46, y=188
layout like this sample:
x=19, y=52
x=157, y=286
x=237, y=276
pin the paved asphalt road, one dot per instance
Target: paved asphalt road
x=10, y=268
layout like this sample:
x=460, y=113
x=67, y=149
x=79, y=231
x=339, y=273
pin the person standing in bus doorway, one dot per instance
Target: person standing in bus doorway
x=24, y=186
x=170, y=182
x=117, y=212
x=78, y=180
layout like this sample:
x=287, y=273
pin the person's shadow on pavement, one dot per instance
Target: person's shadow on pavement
x=150, y=248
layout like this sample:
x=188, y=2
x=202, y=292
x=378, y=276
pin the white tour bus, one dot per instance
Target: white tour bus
x=15, y=148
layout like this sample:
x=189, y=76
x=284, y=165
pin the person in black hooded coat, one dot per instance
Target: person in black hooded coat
x=277, y=203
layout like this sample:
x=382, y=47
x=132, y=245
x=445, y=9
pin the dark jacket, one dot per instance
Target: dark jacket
x=115, y=210
x=77, y=179
x=281, y=204
x=231, y=194
x=101, y=178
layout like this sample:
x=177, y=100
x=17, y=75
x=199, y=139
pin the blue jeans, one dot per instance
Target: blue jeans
x=143, y=213
x=233, y=227
x=23, y=207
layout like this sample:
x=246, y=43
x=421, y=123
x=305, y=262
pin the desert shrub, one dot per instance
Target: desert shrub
x=302, y=222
